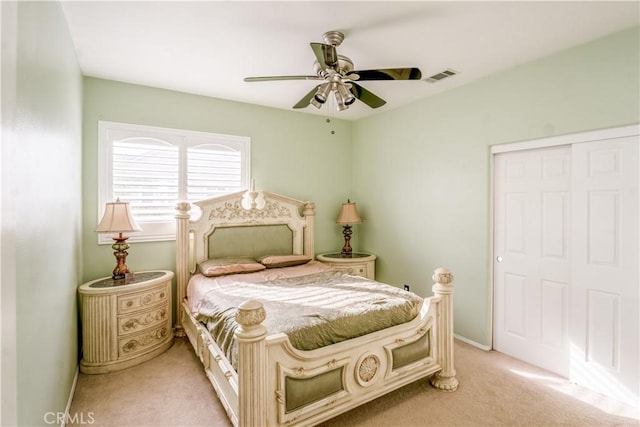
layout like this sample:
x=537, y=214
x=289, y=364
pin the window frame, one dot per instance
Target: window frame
x=109, y=131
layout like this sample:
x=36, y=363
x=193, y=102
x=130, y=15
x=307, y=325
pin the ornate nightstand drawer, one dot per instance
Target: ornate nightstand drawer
x=139, y=321
x=355, y=269
x=358, y=264
x=134, y=344
x=132, y=302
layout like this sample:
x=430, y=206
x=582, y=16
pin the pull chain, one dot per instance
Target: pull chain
x=331, y=109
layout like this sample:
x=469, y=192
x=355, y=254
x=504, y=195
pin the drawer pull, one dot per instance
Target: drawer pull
x=130, y=324
x=130, y=346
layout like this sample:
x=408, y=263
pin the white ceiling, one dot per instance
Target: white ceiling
x=208, y=47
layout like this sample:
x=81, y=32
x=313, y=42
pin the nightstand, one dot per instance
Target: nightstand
x=359, y=263
x=125, y=322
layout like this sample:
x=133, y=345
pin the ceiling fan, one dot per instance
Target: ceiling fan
x=338, y=76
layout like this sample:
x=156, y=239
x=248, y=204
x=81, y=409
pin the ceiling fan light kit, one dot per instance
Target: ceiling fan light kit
x=322, y=93
x=338, y=76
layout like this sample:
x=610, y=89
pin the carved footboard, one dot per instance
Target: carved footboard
x=280, y=385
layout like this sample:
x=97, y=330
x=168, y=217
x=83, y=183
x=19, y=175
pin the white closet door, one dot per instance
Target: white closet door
x=605, y=322
x=567, y=268
x=532, y=264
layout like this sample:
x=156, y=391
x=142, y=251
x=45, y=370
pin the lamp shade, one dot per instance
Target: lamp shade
x=348, y=214
x=117, y=219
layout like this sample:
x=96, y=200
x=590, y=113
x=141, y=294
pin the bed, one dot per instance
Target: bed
x=271, y=381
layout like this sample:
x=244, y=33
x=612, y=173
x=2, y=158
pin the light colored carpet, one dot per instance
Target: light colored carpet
x=495, y=390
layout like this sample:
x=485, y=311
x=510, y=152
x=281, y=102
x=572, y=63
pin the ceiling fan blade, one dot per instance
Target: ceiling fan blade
x=388, y=74
x=325, y=54
x=304, y=102
x=274, y=78
x=373, y=101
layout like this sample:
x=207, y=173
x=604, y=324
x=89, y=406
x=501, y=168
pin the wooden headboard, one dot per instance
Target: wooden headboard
x=278, y=223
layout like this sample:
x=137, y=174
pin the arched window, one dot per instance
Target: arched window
x=154, y=168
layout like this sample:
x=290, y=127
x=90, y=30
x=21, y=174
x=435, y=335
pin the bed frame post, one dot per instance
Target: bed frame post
x=309, y=214
x=445, y=379
x=252, y=364
x=182, y=261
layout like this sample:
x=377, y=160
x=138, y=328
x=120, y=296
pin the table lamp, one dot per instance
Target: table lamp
x=118, y=219
x=348, y=215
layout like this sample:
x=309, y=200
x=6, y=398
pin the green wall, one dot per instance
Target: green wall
x=292, y=154
x=41, y=209
x=422, y=172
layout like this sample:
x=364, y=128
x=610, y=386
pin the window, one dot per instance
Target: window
x=154, y=168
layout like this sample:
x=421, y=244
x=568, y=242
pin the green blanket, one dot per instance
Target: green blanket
x=314, y=311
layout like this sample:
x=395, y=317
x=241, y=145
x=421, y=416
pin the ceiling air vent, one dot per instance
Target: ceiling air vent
x=442, y=75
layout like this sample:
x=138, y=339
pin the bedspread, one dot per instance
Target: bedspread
x=314, y=311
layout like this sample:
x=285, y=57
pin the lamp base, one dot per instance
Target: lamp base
x=120, y=247
x=120, y=273
x=346, y=249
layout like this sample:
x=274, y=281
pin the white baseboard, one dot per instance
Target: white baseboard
x=473, y=343
x=70, y=399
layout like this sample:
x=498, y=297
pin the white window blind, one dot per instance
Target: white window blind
x=213, y=170
x=146, y=173
x=154, y=168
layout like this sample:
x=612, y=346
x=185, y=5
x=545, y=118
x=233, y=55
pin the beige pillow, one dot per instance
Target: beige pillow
x=229, y=265
x=276, y=261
